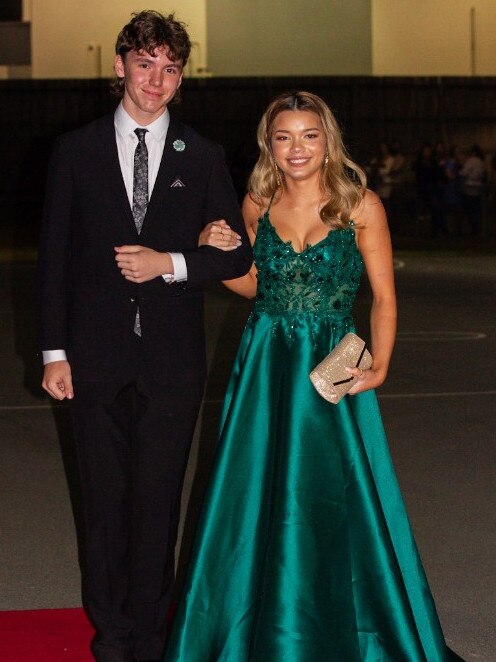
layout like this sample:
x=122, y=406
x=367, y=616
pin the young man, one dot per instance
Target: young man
x=121, y=278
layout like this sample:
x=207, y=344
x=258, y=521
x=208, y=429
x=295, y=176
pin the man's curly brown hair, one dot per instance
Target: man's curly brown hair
x=147, y=31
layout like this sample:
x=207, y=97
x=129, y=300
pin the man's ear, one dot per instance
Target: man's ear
x=119, y=66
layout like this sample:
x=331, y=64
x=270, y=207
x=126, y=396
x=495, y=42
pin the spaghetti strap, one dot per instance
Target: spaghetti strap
x=270, y=203
x=265, y=214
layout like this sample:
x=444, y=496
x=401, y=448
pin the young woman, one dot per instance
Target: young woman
x=304, y=552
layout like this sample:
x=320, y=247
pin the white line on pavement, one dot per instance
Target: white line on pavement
x=381, y=396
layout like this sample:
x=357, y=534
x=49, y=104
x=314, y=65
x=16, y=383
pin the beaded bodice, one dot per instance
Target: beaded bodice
x=321, y=279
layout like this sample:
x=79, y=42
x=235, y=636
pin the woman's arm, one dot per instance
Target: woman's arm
x=220, y=235
x=246, y=286
x=374, y=243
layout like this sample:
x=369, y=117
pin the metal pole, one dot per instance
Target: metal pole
x=473, y=38
x=99, y=61
x=96, y=49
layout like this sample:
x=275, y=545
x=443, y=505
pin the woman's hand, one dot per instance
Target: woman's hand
x=219, y=235
x=367, y=379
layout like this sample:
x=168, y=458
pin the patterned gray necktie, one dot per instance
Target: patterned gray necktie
x=140, y=194
x=140, y=179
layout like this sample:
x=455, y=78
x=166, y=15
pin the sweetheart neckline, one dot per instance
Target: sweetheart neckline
x=289, y=242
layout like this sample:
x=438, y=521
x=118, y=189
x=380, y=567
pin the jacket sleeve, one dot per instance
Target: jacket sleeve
x=54, y=251
x=206, y=262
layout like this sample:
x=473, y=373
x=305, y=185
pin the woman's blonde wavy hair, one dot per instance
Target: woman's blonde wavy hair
x=343, y=182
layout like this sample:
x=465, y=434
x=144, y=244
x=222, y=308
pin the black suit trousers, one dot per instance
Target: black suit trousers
x=133, y=438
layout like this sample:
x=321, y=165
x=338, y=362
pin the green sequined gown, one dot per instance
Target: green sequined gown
x=303, y=552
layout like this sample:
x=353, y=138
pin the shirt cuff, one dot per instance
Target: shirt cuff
x=51, y=355
x=180, y=269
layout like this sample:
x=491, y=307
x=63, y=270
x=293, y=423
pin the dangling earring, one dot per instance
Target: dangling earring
x=278, y=175
x=326, y=159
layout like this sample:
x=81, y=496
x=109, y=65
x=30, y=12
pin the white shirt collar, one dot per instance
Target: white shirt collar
x=125, y=125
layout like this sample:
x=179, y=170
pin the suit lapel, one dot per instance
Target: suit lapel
x=114, y=183
x=171, y=168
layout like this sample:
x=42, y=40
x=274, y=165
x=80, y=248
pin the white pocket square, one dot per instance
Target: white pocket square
x=177, y=183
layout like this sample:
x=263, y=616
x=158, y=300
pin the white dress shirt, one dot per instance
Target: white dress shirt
x=126, y=141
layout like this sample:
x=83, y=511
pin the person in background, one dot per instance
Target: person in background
x=473, y=187
x=396, y=211
x=430, y=181
x=451, y=162
x=382, y=172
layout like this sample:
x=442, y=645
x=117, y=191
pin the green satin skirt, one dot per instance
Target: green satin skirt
x=304, y=551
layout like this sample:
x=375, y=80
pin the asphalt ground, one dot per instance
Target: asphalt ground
x=438, y=407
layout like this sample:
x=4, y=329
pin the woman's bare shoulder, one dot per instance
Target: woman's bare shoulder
x=253, y=207
x=369, y=210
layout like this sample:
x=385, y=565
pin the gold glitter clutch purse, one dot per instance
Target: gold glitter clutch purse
x=330, y=377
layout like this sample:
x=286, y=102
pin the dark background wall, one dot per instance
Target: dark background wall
x=11, y=10
x=370, y=109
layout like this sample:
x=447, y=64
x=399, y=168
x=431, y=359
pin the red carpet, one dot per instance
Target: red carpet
x=47, y=635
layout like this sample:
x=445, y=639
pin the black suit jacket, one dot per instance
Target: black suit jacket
x=86, y=305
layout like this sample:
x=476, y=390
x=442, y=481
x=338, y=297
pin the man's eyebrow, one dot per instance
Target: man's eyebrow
x=149, y=58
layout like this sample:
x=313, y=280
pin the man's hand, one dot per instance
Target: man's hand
x=140, y=264
x=57, y=380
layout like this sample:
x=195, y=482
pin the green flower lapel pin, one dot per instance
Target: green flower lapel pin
x=179, y=145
